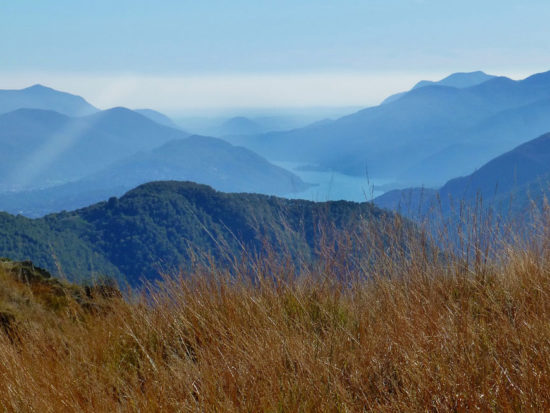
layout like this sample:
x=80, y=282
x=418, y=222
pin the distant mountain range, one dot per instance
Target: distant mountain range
x=166, y=225
x=437, y=131
x=221, y=127
x=251, y=123
x=41, y=97
x=52, y=161
x=61, y=153
x=201, y=159
x=448, y=129
x=42, y=148
x=45, y=98
x=507, y=183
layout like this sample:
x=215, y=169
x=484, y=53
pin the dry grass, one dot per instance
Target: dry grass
x=417, y=330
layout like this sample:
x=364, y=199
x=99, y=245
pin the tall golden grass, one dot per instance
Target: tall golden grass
x=417, y=325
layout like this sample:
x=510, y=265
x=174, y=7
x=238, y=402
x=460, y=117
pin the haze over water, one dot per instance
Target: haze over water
x=333, y=185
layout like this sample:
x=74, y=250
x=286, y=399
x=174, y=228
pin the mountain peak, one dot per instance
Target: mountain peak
x=459, y=80
x=122, y=114
x=42, y=97
x=239, y=125
x=38, y=86
x=120, y=109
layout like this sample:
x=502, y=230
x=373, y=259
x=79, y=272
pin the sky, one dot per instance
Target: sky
x=185, y=55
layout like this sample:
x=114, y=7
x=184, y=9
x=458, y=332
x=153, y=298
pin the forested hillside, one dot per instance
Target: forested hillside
x=164, y=226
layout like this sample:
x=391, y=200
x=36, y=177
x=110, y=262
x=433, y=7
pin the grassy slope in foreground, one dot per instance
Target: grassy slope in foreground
x=30, y=295
x=166, y=225
x=414, y=333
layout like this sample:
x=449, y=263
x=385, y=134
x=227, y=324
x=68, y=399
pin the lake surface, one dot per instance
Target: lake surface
x=334, y=186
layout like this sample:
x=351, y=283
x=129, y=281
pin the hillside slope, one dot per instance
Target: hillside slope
x=163, y=225
x=527, y=164
x=157, y=117
x=508, y=181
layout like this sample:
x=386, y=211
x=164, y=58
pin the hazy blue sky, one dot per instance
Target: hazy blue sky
x=213, y=53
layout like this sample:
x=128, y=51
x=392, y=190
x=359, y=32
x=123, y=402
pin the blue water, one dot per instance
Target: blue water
x=334, y=186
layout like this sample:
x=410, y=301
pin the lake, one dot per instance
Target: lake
x=334, y=186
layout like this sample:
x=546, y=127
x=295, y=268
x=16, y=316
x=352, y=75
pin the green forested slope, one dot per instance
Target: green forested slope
x=159, y=226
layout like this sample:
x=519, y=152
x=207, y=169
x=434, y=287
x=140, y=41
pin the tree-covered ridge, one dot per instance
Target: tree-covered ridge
x=163, y=225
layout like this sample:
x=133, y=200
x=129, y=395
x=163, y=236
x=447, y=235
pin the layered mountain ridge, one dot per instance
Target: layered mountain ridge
x=53, y=161
x=400, y=140
x=507, y=183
